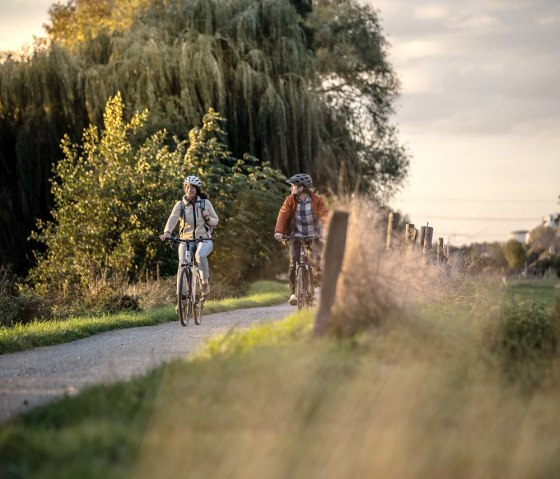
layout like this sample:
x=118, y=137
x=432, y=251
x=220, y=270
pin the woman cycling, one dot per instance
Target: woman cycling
x=303, y=213
x=198, y=218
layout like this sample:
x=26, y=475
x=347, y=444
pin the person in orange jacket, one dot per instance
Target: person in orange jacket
x=303, y=213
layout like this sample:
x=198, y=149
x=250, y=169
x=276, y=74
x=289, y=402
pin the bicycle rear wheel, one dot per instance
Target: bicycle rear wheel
x=300, y=287
x=184, y=303
x=198, y=304
x=309, y=289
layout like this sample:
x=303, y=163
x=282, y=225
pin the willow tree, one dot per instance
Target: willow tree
x=305, y=86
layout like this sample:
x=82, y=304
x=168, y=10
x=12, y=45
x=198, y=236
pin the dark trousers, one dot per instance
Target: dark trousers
x=314, y=250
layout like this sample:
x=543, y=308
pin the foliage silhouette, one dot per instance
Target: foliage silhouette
x=305, y=86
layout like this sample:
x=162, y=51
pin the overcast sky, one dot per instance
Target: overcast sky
x=479, y=111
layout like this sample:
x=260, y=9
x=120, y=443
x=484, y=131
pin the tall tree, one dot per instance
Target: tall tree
x=305, y=86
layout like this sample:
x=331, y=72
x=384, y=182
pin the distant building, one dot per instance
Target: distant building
x=552, y=220
x=521, y=236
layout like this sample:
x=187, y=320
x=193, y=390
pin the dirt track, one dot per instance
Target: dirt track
x=33, y=377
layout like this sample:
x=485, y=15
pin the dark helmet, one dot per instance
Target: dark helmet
x=302, y=179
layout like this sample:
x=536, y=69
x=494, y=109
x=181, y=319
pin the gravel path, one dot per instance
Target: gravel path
x=33, y=377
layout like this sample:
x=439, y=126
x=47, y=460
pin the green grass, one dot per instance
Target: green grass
x=425, y=398
x=538, y=292
x=45, y=333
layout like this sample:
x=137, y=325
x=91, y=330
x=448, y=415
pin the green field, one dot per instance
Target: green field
x=441, y=395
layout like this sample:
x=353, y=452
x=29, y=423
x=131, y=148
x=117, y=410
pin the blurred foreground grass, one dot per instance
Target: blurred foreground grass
x=422, y=398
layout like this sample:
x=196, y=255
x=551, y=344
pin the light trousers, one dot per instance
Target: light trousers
x=201, y=252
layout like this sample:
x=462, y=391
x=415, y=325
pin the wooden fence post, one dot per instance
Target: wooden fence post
x=333, y=255
x=391, y=226
x=422, y=237
x=410, y=235
x=427, y=246
x=439, y=251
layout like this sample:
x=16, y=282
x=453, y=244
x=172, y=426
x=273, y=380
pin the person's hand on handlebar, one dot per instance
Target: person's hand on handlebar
x=278, y=236
x=165, y=236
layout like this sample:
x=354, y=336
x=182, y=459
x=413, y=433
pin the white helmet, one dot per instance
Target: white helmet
x=193, y=180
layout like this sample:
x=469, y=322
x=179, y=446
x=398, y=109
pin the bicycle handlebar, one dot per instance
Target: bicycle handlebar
x=305, y=238
x=179, y=240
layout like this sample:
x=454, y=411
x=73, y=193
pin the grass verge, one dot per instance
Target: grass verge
x=45, y=333
x=417, y=399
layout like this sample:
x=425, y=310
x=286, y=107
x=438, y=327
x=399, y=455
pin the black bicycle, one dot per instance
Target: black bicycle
x=305, y=291
x=190, y=300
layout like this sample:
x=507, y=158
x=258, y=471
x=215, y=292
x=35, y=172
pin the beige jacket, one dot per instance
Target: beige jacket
x=194, y=223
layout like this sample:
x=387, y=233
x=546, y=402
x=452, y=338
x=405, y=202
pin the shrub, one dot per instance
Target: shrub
x=104, y=299
x=515, y=254
x=526, y=340
x=18, y=304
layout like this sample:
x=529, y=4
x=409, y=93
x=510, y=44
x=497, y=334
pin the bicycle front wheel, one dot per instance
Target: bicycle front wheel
x=184, y=303
x=198, y=304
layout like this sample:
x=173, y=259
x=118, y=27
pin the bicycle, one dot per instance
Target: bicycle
x=305, y=291
x=190, y=300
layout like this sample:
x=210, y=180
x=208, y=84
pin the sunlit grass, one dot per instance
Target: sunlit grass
x=422, y=398
x=44, y=333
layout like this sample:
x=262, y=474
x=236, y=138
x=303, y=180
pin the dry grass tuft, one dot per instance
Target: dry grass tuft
x=378, y=287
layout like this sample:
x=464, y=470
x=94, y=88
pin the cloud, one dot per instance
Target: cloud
x=474, y=22
x=20, y=21
x=417, y=49
x=431, y=11
x=549, y=20
x=486, y=67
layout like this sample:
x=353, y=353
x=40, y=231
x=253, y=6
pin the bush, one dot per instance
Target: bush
x=18, y=305
x=515, y=254
x=527, y=338
x=107, y=300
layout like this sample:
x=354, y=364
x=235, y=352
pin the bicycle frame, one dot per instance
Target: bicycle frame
x=304, y=272
x=190, y=302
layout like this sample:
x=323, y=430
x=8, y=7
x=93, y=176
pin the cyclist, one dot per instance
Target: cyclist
x=303, y=213
x=198, y=219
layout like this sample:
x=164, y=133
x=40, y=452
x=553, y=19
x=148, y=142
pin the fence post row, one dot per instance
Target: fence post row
x=333, y=256
x=411, y=234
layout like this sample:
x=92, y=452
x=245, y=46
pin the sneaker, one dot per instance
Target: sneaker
x=293, y=300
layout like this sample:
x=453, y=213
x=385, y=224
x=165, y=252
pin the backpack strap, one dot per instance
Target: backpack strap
x=183, y=212
x=202, y=206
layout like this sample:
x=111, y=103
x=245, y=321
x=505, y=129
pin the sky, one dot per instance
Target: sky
x=479, y=110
